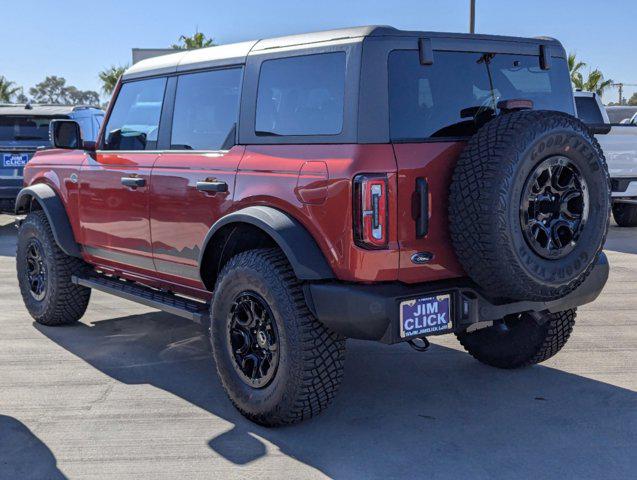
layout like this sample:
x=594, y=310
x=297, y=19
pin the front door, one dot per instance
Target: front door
x=115, y=182
x=192, y=184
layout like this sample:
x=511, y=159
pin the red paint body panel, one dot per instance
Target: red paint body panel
x=180, y=215
x=268, y=173
x=114, y=219
x=435, y=163
x=154, y=234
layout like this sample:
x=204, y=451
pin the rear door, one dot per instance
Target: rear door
x=193, y=181
x=115, y=182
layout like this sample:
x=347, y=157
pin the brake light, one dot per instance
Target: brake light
x=370, y=211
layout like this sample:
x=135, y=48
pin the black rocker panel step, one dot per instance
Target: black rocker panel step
x=166, y=301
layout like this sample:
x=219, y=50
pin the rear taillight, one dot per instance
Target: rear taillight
x=370, y=210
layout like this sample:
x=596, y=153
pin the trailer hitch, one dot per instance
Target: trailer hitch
x=421, y=346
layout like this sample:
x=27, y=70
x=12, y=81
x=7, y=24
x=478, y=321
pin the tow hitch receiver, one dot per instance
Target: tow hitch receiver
x=419, y=344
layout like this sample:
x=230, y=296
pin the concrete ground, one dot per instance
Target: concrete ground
x=132, y=393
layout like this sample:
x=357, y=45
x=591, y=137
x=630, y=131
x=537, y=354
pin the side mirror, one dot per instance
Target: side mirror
x=67, y=134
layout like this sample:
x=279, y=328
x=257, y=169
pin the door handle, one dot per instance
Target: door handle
x=212, y=187
x=133, y=182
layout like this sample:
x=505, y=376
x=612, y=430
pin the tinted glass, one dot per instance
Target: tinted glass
x=24, y=128
x=447, y=98
x=206, y=110
x=588, y=111
x=301, y=95
x=134, y=121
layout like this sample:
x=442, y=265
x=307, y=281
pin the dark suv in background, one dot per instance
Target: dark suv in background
x=25, y=129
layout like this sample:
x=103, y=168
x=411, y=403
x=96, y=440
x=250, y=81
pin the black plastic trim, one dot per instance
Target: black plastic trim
x=55, y=213
x=304, y=255
x=620, y=184
x=371, y=312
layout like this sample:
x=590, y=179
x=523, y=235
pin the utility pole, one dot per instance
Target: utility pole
x=620, y=87
x=472, y=17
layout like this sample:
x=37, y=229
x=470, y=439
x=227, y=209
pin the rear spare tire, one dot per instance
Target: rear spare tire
x=529, y=205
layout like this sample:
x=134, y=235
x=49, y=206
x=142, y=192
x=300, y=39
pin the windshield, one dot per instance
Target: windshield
x=20, y=128
x=446, y=99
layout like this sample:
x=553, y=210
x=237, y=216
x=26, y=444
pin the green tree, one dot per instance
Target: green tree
x=594, y=82
x=198, y=40
x=633, y=99
x=110, y=76
x=574, y=66
x=8, y=89
x=50, y=90
x=55, y=90
x=74, y=96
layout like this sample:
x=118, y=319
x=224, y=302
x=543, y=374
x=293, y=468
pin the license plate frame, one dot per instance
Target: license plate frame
x=14, y=160
x=426, y=315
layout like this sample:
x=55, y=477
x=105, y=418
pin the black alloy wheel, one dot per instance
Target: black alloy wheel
x=36, y=269
x=554, y=207
x=253, y=339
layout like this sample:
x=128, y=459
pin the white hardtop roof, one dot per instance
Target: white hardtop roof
x=236, y=53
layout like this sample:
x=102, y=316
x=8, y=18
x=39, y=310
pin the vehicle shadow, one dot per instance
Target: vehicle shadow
x=23, y=455
x=399, y=413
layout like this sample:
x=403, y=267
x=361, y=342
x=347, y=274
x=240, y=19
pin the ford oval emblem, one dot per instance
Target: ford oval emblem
x=420, y=258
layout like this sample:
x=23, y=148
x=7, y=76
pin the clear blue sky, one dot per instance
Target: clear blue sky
x=76, y=39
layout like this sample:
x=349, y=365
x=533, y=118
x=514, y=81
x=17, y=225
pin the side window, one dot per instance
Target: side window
x=301, y=95
x=206, y=110
x=588, y=111
x=134, y=121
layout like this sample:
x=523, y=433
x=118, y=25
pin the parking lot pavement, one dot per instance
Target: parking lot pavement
x=132, y=393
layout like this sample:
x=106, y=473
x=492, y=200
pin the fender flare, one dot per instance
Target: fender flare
x=55, y=213
x=298, y=245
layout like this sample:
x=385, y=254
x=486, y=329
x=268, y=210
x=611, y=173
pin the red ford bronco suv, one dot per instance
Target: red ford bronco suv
x=365, y=183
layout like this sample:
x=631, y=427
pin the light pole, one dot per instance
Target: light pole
x=472, y=17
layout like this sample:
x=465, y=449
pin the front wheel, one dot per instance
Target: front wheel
x=277, y=363
x=44, y=275
x=520, y=340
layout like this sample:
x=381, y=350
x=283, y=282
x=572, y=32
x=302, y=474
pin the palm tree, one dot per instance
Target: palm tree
x=198, y=40
x=595, y=82
x=574, y=66
x=7, y=89
x=110, y=76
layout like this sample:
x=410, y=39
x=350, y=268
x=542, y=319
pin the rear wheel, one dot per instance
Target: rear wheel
x=625, y=214
x=277, y=363
x=44, y=275
x=520, y=340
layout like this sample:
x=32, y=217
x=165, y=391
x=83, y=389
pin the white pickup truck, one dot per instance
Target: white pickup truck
x=619, y=142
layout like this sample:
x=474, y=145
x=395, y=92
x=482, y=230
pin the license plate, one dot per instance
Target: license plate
x=426, y=315
x=14, y=160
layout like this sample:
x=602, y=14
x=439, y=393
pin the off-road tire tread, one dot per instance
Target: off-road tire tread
x=475, y=190
x=72, y=300
x=323, y=351
x=558, y=330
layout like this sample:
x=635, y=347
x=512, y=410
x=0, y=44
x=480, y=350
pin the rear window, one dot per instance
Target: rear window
x=24, y=128
x=588, y=110
x=443, y=99
x=301, y=95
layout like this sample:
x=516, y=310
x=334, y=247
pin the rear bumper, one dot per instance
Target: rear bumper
x=624, y=187
x=371, y=312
